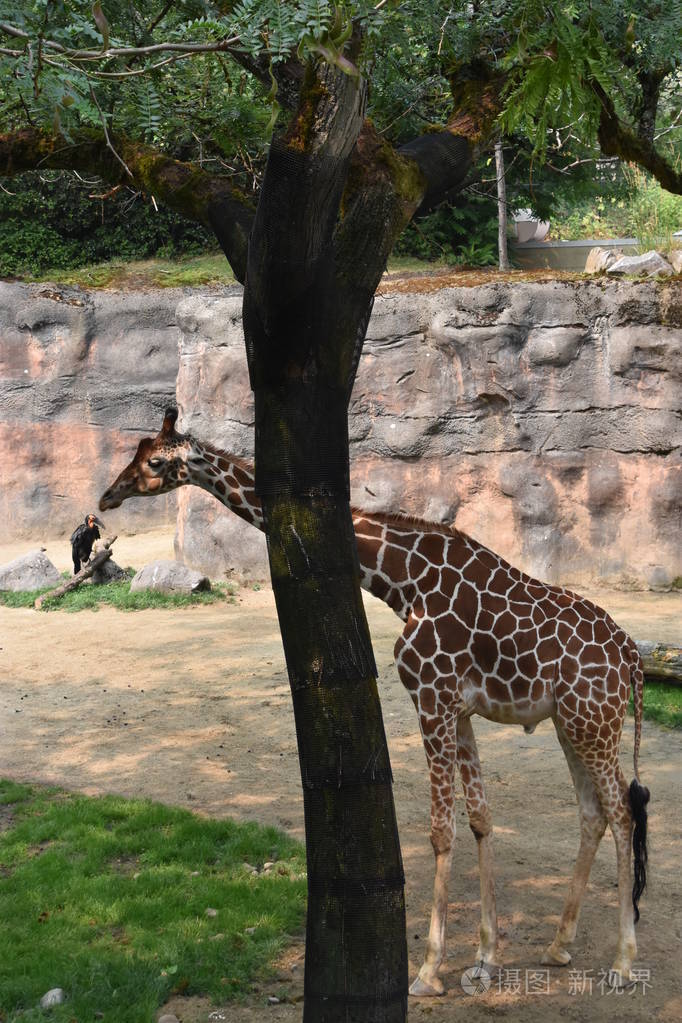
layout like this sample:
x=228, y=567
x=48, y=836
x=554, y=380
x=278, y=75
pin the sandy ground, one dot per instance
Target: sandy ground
x=192, y=708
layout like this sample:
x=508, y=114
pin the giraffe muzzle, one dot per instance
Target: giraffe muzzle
x=109, y=500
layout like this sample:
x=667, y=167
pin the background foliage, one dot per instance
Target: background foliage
x=49, y=221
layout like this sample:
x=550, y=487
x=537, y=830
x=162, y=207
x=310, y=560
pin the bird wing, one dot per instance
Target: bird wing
x=77, y=534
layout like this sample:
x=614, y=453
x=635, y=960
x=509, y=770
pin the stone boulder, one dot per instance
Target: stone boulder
x=650, y=264
x=33, y=571
x=109, y=572
x=169, y=577
x=599, y=259
x=676, y=260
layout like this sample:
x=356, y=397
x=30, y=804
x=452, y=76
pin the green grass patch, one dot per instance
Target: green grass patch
x=152, y=273
x=107, y=898
x=196, y=271
x=117, y=594
x=662, y=703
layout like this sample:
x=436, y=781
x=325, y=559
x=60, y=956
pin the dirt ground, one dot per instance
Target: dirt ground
x=192, y=708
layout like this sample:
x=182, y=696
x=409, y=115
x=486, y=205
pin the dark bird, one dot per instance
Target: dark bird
x=82, y=539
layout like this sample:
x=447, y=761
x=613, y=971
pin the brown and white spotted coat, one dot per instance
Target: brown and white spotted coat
x=480, y=637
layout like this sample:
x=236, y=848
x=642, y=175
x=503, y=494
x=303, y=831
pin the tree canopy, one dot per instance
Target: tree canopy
x=101, y=87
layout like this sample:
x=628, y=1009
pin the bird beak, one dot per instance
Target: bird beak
x=99, y=522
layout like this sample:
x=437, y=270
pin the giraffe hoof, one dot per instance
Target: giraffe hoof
x=489, y=961
x=427, y=988
x=619, y=978
x=556, y=956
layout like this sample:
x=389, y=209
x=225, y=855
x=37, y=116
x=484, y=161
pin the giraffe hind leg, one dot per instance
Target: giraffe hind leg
x=592, y=828
x=603, y=768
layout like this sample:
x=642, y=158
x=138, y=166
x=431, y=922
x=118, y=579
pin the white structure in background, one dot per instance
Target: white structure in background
x=528, y=228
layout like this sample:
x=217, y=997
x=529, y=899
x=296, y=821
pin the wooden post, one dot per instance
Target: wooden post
x=501, y=207
x=85, y=573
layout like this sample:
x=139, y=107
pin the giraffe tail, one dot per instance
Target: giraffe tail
x=639, y=794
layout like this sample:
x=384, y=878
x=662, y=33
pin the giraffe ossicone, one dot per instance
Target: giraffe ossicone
x=480, y=637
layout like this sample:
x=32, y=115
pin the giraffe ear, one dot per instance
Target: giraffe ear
x=169, y=421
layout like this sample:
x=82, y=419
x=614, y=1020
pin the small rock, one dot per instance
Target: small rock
x=249, y=930
x=272, y=1000
x=195, y=873
x=599, y=259
x=168, y=1017
x=55, y=996
x=269, y=865
x=676, y=260
x=649, y=263
x=211, y=912
x=248, y=866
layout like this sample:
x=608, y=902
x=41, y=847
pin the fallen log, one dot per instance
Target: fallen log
x=101, y=555
x=661, y=662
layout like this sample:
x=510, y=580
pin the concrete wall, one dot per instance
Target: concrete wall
x=542, y=418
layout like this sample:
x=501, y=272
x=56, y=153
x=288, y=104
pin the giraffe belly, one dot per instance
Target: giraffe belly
x=515, y=703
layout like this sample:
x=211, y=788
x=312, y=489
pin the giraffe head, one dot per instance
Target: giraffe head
x=158, y=466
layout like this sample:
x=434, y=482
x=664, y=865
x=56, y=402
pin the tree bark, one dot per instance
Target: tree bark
x=76, y=581
x=501, y=208
x=303, y=349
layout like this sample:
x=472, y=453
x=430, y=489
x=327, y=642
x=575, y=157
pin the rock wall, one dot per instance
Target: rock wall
x=542, y=418
x=83, y=375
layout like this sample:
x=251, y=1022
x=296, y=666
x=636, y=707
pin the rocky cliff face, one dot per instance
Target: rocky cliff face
x=83, y=375
x=542, y=418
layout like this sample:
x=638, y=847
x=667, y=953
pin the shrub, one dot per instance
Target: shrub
x=52, y=222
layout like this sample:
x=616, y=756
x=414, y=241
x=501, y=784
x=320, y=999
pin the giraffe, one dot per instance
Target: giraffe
x=480, y=637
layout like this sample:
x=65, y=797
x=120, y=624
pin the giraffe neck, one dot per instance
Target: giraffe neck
x=396, y=556
x=229, y=479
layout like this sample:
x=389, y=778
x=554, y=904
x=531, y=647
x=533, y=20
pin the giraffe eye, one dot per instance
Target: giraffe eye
x=155, y=463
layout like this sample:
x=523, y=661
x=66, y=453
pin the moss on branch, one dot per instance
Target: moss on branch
x=476, y=102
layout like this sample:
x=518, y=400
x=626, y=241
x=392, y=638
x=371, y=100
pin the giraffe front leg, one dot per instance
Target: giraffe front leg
x=428, y=982
x=480, y=822
x=441, y=759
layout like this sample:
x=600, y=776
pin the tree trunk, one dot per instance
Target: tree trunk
x=501, y=207
x=303, y=345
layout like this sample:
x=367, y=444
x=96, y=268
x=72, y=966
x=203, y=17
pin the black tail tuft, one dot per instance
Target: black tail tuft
x=639, y=797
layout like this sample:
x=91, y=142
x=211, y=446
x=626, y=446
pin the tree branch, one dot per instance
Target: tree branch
x=385, y=187
x=219, y=46
x=617, y=139
x=198, y=195
x=86, y=572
